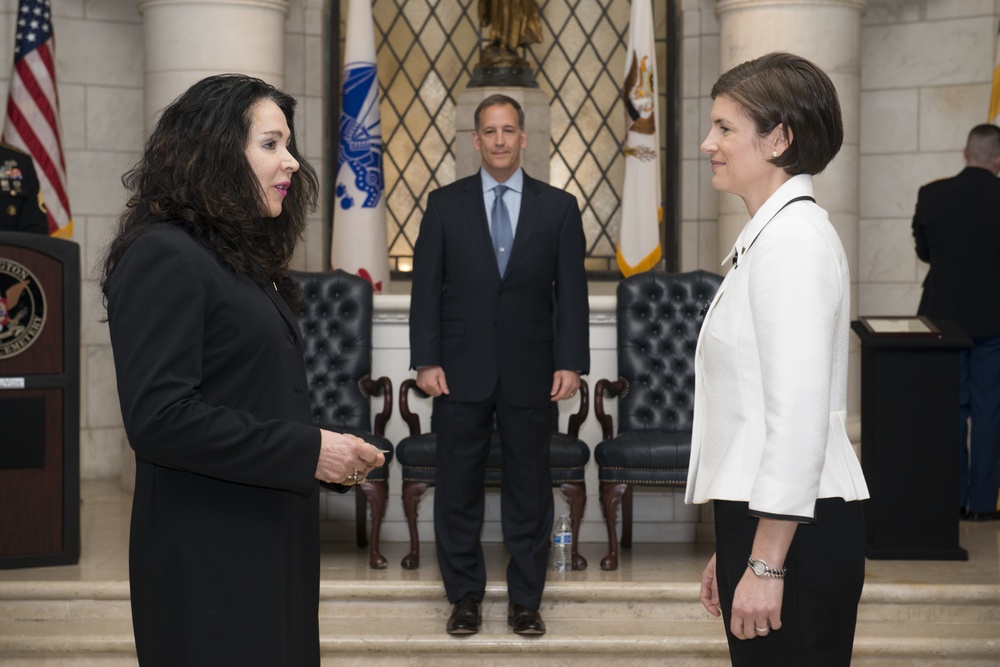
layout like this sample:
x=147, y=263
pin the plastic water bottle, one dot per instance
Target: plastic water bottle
x=562, y=545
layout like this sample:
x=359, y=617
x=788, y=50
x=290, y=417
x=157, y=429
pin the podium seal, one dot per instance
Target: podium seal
x=22, y=308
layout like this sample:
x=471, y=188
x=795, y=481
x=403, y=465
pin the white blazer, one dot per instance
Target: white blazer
x=771, y=368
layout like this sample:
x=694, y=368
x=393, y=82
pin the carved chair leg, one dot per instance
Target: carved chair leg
x=576, y=494
x=611, y=495
x=376, y=492
x=360, y=518
x=627, y=519
x=412, y=491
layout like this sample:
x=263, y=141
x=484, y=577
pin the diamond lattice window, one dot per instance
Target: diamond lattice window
x=427, y=50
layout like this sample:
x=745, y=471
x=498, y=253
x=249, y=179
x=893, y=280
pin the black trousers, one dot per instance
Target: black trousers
x=826, y=572
x=463, y=432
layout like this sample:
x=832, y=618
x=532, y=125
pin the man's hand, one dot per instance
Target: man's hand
x=564, y=385
x=431, y=380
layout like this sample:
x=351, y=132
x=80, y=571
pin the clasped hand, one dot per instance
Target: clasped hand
x=346, y=459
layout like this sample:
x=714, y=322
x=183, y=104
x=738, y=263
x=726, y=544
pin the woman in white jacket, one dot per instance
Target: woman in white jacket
x=769, y=446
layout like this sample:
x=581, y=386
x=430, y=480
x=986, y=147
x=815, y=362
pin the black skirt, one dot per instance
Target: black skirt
x=826, y=572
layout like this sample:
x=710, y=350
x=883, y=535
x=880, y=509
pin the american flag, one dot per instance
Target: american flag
x=33, y=109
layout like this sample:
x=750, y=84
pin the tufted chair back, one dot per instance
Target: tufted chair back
x=659, y=317
x=336, y=323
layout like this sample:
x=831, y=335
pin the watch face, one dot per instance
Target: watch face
x=759, y=567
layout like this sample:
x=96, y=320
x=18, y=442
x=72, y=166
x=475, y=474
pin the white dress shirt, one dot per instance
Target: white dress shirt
x=771, y=368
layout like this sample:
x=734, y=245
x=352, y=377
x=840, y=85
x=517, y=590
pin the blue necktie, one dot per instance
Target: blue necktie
x=503, y=235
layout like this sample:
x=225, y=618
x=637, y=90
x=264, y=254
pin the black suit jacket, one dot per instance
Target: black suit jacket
x=224, y=548
x=957, y=230
x=481, y=328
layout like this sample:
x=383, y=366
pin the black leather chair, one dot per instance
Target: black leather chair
x=659, y=318
x=417, y=456
x=336, y=325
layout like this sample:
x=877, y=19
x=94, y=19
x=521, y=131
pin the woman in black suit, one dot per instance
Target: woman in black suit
x=224, y=549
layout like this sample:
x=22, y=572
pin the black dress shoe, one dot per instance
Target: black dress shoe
x=525, y=621
x=983, y=516
x=466, y=617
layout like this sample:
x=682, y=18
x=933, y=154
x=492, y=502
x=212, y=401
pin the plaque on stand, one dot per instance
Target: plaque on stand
x=909, y=436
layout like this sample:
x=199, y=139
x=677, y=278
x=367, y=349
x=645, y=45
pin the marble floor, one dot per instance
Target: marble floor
x=105, y=519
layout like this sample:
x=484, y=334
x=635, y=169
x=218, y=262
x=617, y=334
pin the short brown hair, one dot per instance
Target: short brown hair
x=983, y=144
x=497, y=99
x=782, y=89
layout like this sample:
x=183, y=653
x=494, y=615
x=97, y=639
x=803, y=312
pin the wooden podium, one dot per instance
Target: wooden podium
x=39, y=401
x=909, y=437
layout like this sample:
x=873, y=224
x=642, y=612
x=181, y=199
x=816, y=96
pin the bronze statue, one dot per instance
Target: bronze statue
x=512, y=24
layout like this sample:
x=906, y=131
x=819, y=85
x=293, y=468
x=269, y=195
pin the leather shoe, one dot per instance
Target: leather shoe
x=466, y=617
x=983, y=516
x=525, y=621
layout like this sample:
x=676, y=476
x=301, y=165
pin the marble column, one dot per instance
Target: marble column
x=186, y=41
x=827, y=32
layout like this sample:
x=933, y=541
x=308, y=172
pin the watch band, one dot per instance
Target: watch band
x=761, y=569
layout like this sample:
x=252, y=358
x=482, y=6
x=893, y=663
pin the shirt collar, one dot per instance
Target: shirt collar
x=515, y=182
x=796, y=186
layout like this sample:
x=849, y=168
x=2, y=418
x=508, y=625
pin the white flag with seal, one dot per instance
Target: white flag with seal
x=639, y=234
x=359, y=223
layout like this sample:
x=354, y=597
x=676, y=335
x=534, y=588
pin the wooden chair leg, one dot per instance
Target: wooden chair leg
x=376, y=493
x=611, y=495
x=360, y=518
x=412, y=491
x=627, y=519
x=576, y=494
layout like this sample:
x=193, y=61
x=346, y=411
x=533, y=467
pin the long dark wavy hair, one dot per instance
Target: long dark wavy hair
x=194, y=174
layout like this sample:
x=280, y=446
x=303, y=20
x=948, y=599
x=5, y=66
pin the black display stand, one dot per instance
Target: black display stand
x=39, y=401
x=909, y=441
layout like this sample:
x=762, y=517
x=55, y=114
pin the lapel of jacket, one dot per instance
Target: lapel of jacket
x=527, y=221
x=474, y=207
x=286, y=313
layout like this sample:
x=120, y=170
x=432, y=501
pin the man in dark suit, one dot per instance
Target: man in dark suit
x=957, y=230
x=497, y=338
x=21, y=206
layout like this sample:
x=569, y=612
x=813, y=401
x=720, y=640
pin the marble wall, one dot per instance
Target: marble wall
x=917, y=104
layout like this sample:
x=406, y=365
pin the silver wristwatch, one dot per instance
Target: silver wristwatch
x=761, y=569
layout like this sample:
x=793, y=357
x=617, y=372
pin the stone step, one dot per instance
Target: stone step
x=70, y=624
x=421, y=641
x=584, y=601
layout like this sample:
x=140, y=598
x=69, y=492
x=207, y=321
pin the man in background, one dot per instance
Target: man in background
x=21, y=206
x=957, y=231
x=498, y=332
